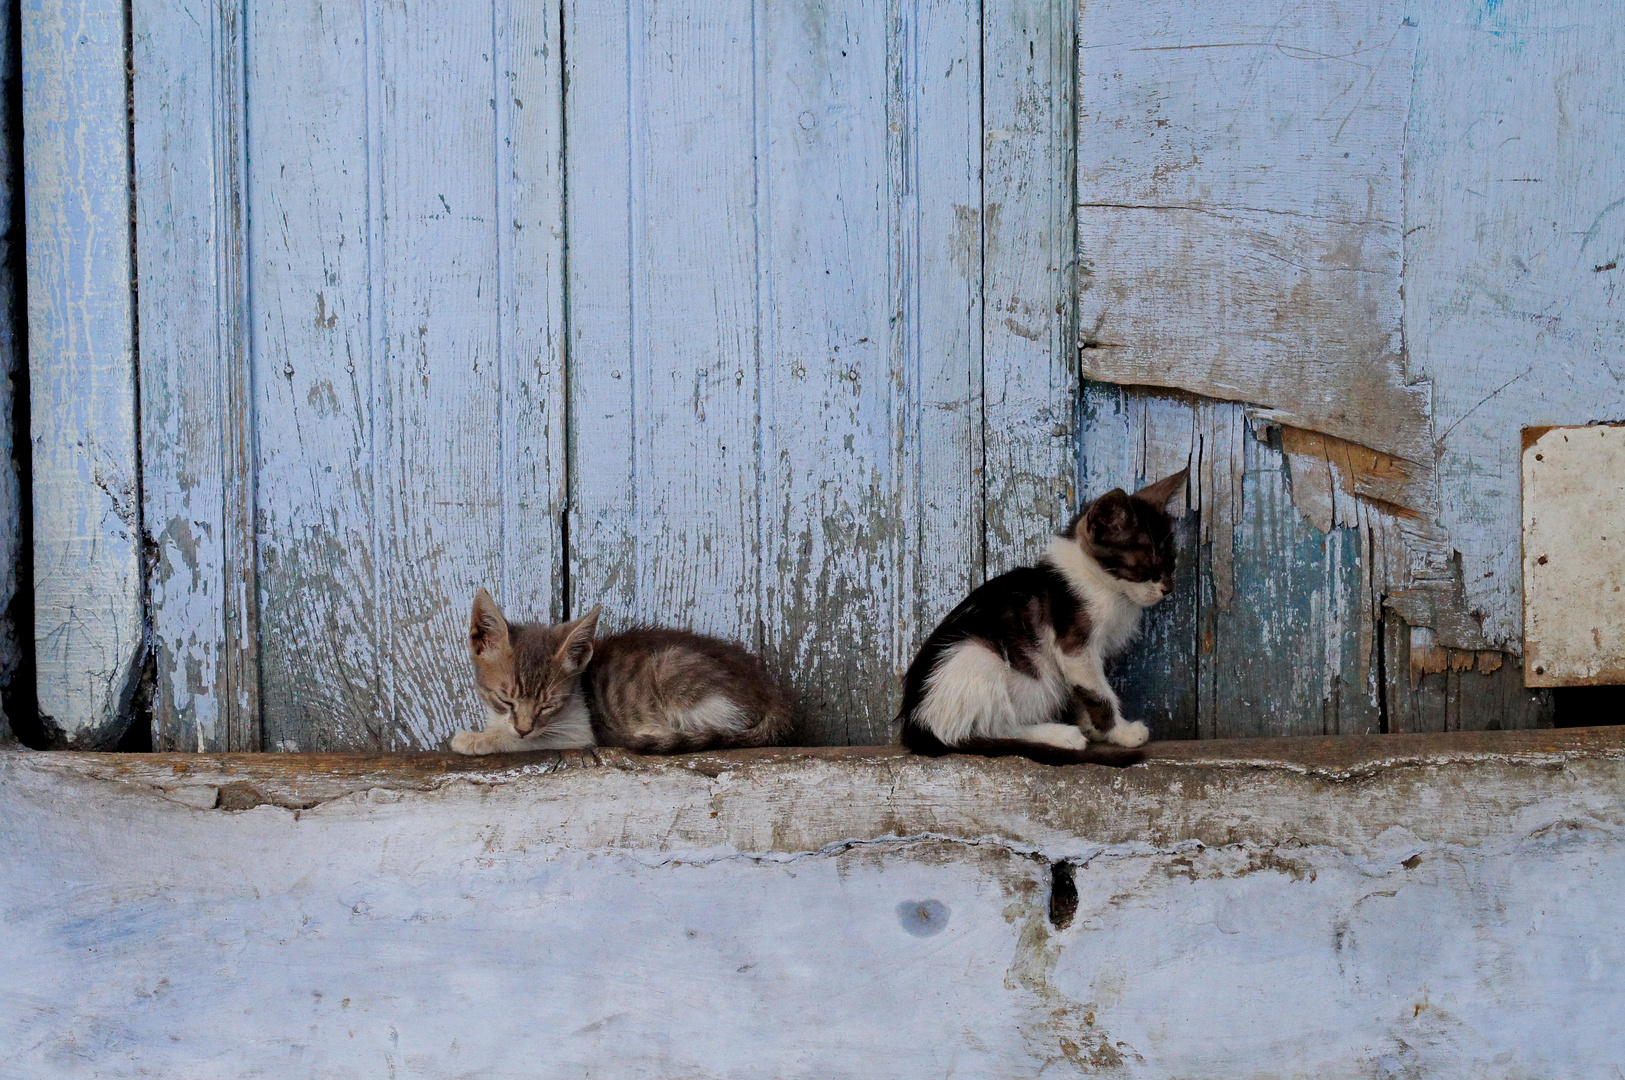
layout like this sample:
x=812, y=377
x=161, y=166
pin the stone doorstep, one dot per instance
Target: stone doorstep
x=1211, y=791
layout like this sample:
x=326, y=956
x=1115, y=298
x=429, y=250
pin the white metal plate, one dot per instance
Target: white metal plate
x=1574, y=555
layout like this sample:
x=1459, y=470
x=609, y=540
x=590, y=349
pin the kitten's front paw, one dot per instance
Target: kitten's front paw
x=1128, y=734
x=467, y=742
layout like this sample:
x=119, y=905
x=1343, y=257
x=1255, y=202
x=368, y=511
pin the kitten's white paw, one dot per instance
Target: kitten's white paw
x=467, y=742
x=1128, y=734
x=1064, y=736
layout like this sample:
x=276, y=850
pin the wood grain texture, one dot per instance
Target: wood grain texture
x=817, y=303
x=831, y=508
x=1289, y=651
x=1432, y=688
x=1239, y=184
x=196, y=411
x=87, y=571
x=776, y=395
x=1291, y=655
x=531, y=328
x=407, y=291
x=322, y=630
x=13, y=550
x=938, y=275
x=439, y=433
x=1029, y=252
x=664, y=342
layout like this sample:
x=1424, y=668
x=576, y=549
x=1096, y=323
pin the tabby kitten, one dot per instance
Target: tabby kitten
x=649, y=689
x=1018, y=667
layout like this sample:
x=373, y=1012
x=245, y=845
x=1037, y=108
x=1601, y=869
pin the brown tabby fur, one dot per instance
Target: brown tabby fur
x=650, y=689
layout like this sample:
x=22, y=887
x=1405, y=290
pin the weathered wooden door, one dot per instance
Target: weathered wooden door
x=747, y=315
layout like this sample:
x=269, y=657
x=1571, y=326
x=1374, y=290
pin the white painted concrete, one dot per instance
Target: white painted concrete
x=792, y=915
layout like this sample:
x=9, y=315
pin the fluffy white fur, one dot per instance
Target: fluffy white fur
x=568, y=729
x=973, y=693
x=1114, y=607
x=715, y=713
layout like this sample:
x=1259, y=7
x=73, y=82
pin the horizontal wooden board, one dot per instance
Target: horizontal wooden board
x=1239, y=188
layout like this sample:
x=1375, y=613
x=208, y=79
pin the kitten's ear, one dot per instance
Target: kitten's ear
x=575, y=653
x=487, y=629
x=1163, y=491
x=1109, y=521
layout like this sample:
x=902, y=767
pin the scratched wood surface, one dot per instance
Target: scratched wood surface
x=197, y=481
x=1254, y=180
x=1286, y=652
x=88, y=624
x=14, y=557
x=1029, y=251
x=316, y=376
x=758, y=317
x=1515, y=257
x=664, y=339
x=791, y=413
x=406, y=332
x=1240, y=193
x=832, y=514
x=780, y=437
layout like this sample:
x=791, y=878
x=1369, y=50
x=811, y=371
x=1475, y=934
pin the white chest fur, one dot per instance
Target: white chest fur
x=1114, y=606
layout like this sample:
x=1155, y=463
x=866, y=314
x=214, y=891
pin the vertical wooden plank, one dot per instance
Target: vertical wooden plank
x=936, y=79
x=599, y=352
x=664, y=370
x=1128, y=438
x=1029, y=251
x=196, y=412
x=1286, y=657
x=831, y=394
x=438, y=271
x=531, y=316
x=310, y=221
x=13, y=549
x=805, y=258
x=408, y=371
x=87, y=572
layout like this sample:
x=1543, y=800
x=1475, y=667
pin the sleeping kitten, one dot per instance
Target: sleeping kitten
x=1018, y=667
x=651, y=690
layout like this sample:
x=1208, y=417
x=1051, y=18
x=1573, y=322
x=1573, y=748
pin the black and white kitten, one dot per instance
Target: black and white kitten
x=1018, y=667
